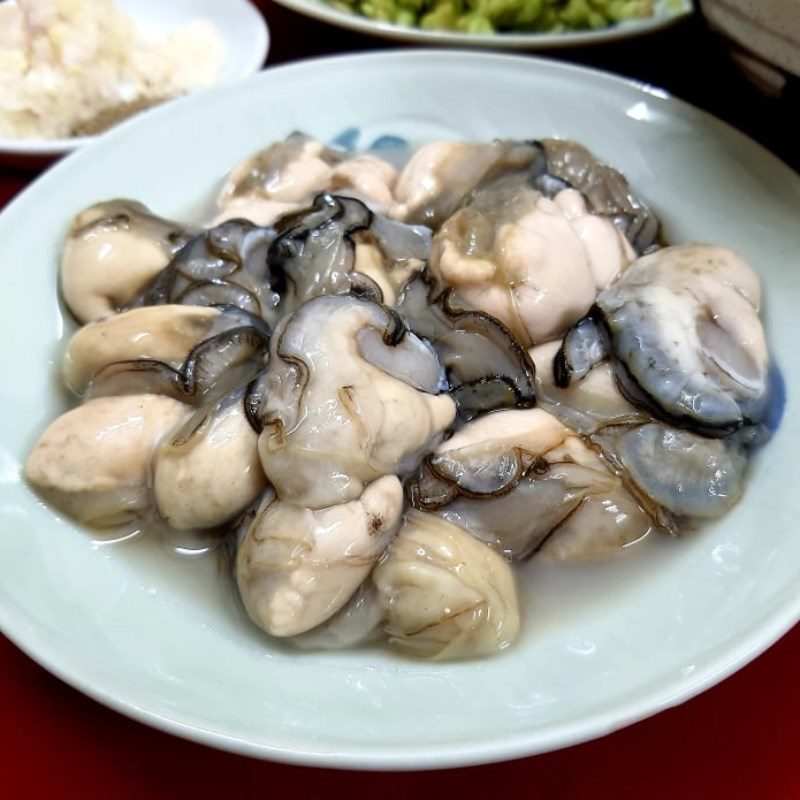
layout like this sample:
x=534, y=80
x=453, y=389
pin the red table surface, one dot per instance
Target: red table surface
x=739, y=739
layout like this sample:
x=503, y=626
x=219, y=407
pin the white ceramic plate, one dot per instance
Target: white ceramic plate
x=240, y=25
x=667, y=13
x=160, y=638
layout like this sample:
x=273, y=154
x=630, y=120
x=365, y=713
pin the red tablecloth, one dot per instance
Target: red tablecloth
x=736, y=740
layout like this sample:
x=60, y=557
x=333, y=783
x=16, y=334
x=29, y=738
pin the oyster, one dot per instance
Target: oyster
x=94, y=461
x=337, y=246
x=486, y=366
x=289, y=171
x=224, y=265
x=175, y=350
x=366, y=178
x=113, y=250
x=285, y=176
x=441, y=174
x=357, y=622
x=165, y=333
x=561, y=164
x=444, y=594
x=207, y=479
x=521, y=481
x=315, y=253
x=677, y=475
x=260, y=212
x=296, y=567
x=534, y=263
x=587, y=405
x=349, y=395
x=689, y=476
x=681, y=327
x=391, y=253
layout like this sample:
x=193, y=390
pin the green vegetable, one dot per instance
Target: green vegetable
x=473, y=22
x=490, y=16
x=443, y=16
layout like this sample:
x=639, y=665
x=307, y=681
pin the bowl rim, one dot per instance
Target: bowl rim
x=322, y=11
x=734, y=655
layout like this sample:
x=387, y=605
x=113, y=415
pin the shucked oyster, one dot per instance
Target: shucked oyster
x=287, y=171
x=206, y=470
x=441, y=174
x=166, y=333
x=357, y=622
x=681, y=327
x=446, y=595
x=315, y=253
x=486, y=366
x=528, y=232
x=682, y=476
x=367, y=178
x=296, y=567
x=677, y=475
x=112, y=251
x=338, y=245
x=522, y=481
x=391, y=253
x=175, y=350
x=286, y=176
x=533, y=262
x=94, y=461
x=588, y=405
x=561, y=164
x=224, y=265
x=205, y=479
x=349, y=395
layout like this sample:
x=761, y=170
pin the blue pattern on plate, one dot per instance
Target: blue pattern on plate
x=388, y=142
x=347, y=139
x=350, y=138
x=777, y=398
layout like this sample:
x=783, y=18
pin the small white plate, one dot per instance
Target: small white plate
x=667, y=13
x=240, y=25
x=162, y=639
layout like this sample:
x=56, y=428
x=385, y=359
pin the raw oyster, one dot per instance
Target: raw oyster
x=349, y=395
x=94, y=461
x=113, y=250
x=682, y=329
x=486, y=366
x=296, y=567
x=521, y=481
x=445, y=594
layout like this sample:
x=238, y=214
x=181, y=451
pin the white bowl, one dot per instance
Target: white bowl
x=667, y=13
x=162, y=640
x=240, y=25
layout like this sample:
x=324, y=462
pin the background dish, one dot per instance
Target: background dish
x=668, y=12
x=763, y=36
x=240, y=26
x=605, y=646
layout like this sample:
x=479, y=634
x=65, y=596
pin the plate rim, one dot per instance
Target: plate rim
x=48, y=148
x=736, y=654
x=321, y=11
